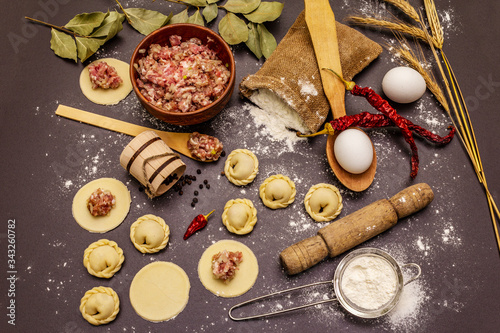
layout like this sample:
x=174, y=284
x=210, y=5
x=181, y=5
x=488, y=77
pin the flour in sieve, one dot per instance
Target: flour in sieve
x=369, y=282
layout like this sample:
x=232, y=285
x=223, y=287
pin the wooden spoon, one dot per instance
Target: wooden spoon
x=176, y=141
x=320, y=21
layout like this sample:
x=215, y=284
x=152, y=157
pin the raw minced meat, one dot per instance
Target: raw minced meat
x=100, y=202
x=182, y=77
x=204, y=147
x=104, y=76
x=225, y=264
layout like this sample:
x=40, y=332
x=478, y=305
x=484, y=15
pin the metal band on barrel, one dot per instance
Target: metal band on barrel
x=139, y=151
x=163, y=166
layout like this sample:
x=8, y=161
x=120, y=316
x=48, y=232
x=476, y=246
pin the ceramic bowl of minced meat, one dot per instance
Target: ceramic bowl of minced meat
x=183, y=74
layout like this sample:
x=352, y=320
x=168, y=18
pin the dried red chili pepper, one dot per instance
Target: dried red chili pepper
x=389, y=117
x=370, y=120
x=199, y=222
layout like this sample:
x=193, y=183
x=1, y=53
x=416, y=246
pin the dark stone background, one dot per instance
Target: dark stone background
x=45, y=159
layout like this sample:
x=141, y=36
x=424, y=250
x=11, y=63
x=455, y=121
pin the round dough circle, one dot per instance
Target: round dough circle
x=149, y=234
x=116, y=215
x=241, y=167
x=107, y=96
x=100, y=305
x=103, y=258
x=245, y=276
x=239, y=216
x=277, y=191
x=323, y=202
x=159, y=291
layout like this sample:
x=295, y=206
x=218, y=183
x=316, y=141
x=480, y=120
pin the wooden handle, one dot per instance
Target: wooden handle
x=412, y=199
x=303, y=255
x=355, y=228
x=176, y=141
x=100, y=121
x=320, y=21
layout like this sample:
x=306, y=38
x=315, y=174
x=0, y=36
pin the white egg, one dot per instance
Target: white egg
x=353, y=150
x=403, y=85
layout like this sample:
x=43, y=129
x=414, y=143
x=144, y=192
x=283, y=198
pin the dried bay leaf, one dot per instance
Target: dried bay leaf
x=144, y=20
x=233, y=29
x=87, y=46
x=267, y=41
x=212, y=1
x=241, y=6
x=196, y=18
x=210, y=12
x=111, y=25
x=63, y=45
x=197, y=3
x=253, y=42
x=181, y=17
x=84, y=24
x=267, y=11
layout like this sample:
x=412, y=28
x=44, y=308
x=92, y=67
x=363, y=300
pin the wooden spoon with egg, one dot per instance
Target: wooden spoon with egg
x=320, y=21
x=176, y=141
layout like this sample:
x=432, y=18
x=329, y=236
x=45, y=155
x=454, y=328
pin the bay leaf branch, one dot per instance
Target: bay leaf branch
x=62, y=29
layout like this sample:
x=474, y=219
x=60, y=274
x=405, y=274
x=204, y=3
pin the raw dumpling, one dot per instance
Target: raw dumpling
x=277, y=191
x=239, y=216
x=241, y=167
x=323, y=202
x=100, y=305
x=103, y=258
x=149, y=234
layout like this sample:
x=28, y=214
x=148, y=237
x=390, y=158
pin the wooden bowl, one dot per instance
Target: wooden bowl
x=186, y=31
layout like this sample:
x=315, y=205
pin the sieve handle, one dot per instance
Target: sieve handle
x=416, y=276
x=280, y=311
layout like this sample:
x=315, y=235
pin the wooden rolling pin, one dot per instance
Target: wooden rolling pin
x=355, y=228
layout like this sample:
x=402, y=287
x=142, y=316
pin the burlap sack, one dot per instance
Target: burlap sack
x=294, y=62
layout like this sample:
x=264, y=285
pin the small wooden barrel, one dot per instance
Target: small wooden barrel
x=148, y=158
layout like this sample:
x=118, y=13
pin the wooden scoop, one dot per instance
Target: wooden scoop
x=176, y=141
x=320, y=21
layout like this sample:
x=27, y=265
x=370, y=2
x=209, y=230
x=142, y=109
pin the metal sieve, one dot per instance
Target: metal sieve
x=344, y=301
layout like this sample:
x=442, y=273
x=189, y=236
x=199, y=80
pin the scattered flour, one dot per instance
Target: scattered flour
x=307, y=89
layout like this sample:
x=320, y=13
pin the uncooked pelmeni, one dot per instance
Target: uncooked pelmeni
x=159, y=291
x=241, y=167
x=277, y=191
x=103, y=258
x=149, y=234
x=107, y=96
x=107, y=222
x=100, y=305
x=239, y=216
x=323, y=202
x=246, y=274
